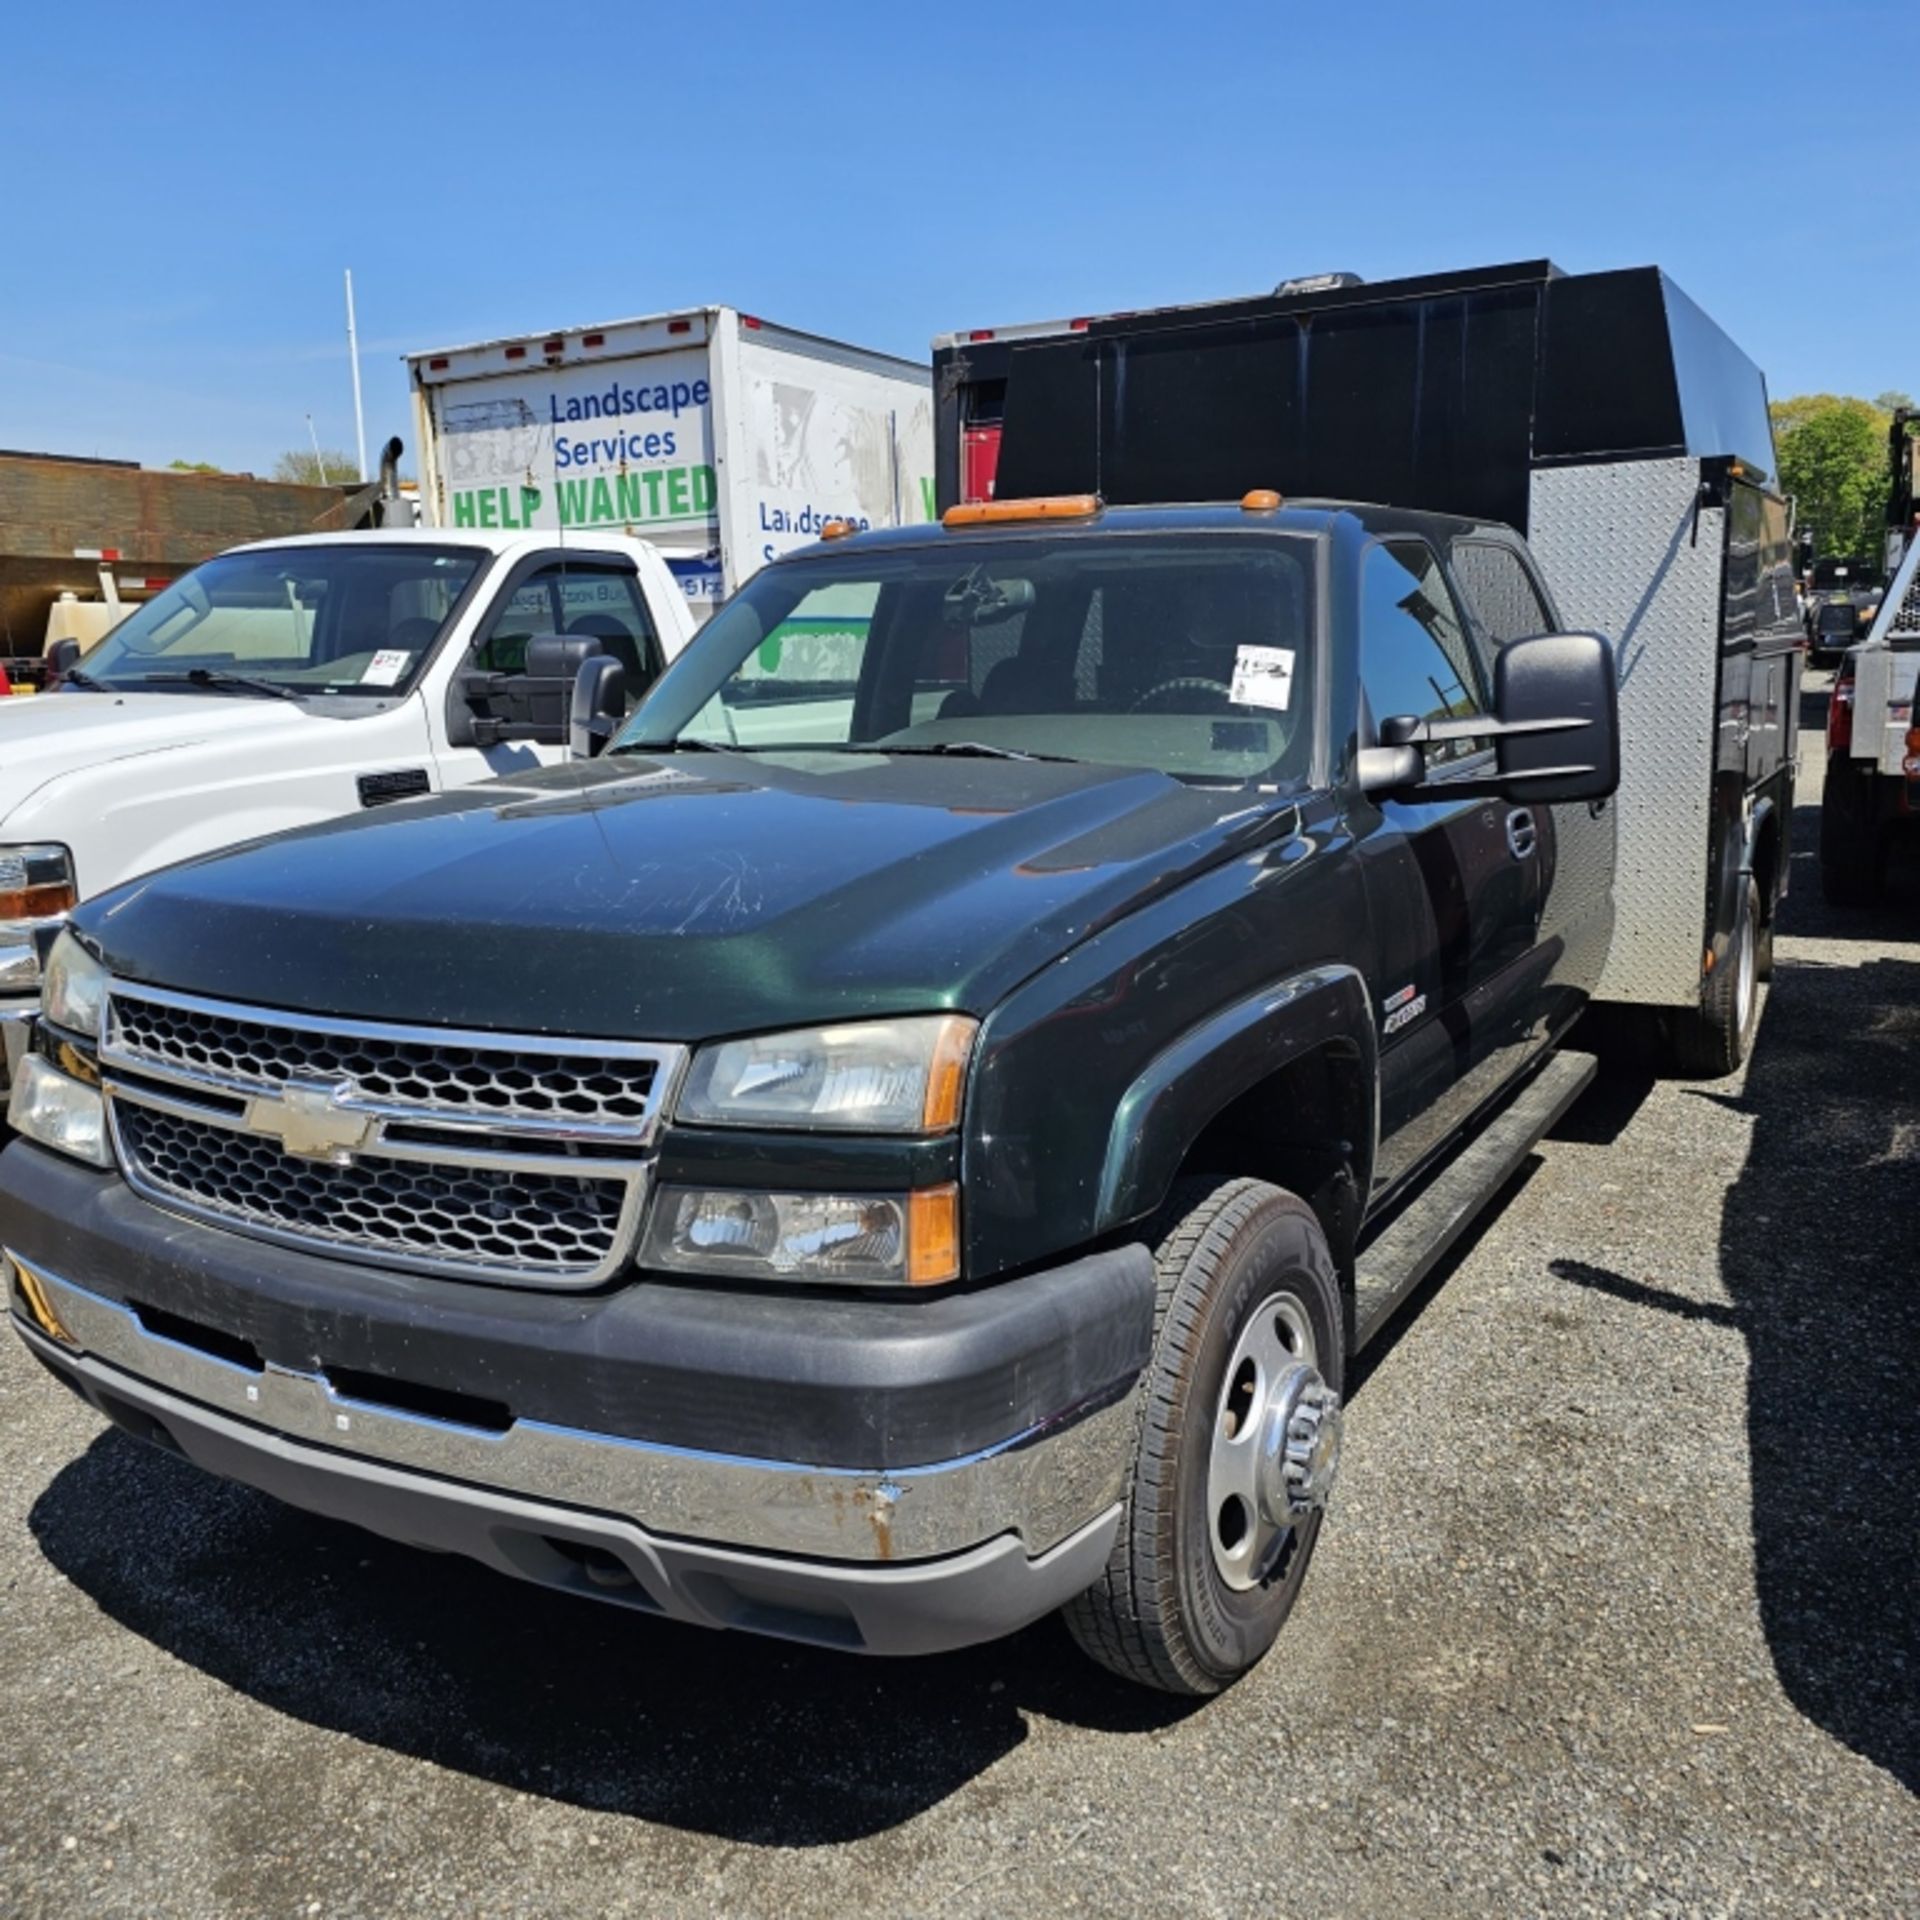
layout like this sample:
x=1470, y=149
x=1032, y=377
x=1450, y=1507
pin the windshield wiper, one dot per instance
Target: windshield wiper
x=74, y=677
x=221, y=682
x=963, y=749
x=689, y=745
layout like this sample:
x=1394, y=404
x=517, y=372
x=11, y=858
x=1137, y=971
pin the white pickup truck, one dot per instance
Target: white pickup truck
x=1871, y=794
x=294, y=680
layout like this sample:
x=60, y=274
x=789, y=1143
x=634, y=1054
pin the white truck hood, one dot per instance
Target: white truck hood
x=48, y=735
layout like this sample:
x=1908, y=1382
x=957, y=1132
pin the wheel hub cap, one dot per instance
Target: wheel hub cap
x=1275, y=1448
x=1300, y=1449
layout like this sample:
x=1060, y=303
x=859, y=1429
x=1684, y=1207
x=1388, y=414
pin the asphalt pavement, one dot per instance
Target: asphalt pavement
x=1616, y=1613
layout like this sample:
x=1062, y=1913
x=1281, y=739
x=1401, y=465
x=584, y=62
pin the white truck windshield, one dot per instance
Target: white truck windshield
x=352, y=619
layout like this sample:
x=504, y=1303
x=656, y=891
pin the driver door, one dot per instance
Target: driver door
x=1454, y=885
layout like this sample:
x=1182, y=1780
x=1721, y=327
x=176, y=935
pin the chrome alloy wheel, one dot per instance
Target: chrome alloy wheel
x=1276, y=1445
x=1746, y=979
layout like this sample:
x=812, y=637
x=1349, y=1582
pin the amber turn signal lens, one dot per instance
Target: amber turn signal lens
x=1056, y=506
x=947, y=1075
x=33, y=1296
x=37, y=903
x=933, y=1235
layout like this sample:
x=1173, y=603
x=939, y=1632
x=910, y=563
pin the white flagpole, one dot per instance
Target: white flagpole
x=353, y=356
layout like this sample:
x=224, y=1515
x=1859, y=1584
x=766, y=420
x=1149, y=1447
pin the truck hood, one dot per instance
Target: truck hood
x=52, y=734
x=679, y=896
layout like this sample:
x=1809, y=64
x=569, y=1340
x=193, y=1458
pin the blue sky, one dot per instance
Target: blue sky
x=182, y=186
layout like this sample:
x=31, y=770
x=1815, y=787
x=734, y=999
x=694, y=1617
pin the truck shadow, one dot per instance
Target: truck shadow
x=729, y=1735
x=1819, y=1245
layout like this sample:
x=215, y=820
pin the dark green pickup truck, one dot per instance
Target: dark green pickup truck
x=909, y=1138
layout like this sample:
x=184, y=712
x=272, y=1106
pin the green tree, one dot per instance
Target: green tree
x=329, y=470
x=193, y=466
x=1833, y=460
x=1892, y=399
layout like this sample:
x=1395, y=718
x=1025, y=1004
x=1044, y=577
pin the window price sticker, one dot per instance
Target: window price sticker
x=388, y=667
x=1263, y=677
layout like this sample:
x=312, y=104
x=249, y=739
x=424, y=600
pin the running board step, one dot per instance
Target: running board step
x=1408, y=1250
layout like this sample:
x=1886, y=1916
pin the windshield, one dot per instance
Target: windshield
x=1190, y=655
x=348, y=619
x=1848, y=575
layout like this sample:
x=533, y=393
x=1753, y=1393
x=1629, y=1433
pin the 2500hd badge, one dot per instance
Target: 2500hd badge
x=1402, y=1009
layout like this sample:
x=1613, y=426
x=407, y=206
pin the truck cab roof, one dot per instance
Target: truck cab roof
x=1305, y=516
x=489, y=540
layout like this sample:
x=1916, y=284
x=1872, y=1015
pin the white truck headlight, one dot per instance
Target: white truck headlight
x=844, y=1239
x=75, y=993
x=36, y=890
x=870, y=1076
x=59, y=1111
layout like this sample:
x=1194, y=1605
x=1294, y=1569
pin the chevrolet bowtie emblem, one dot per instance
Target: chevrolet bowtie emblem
x=310, y=1123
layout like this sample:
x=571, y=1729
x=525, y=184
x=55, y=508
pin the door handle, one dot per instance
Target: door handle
x=1522, y=834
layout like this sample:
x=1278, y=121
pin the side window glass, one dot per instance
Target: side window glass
x=1499, y=590
x=529, y=610
x=607, y=604
x=1414, y=656
x=567, y=597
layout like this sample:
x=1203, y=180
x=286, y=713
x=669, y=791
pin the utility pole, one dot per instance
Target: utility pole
x=353, y=358
x=319, y=465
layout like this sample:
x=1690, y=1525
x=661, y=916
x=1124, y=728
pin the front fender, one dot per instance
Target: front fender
x=1211, y=1065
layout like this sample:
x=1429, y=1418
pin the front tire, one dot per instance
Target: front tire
x=1713, y=1042
x=1238, y=1444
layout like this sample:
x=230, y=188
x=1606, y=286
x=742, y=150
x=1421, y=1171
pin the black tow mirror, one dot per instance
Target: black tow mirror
x=1559, y=707
x=536, y=703
x=599, y=704
x=1555, y=728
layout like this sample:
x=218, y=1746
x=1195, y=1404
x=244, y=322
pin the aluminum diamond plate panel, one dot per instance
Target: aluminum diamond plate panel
x=1618, y=545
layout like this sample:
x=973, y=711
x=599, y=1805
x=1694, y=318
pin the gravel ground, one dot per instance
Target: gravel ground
x=1616, y=1613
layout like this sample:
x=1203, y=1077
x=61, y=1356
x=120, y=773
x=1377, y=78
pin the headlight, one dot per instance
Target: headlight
x=873, y=1076
x=846, y=1239
x=36, y=883
x=59, y=1111
x=75, y=994
x=36, y=889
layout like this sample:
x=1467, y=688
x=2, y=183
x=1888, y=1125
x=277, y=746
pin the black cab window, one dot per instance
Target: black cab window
x=1414, y=654
x=1500, y=590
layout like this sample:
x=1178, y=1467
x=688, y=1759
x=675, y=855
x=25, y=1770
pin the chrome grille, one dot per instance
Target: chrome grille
x=496, y=1082
x=563, y=1226
x=501, y=1157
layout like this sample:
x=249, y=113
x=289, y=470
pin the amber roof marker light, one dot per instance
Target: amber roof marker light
x=1053, y=506
x=1261, y=500
x=837, y=529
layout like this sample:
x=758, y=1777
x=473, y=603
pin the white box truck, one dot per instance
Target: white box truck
x=719, y=438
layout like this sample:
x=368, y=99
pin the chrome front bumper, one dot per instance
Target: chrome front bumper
x=16, y=1029
x=1035, y=1491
